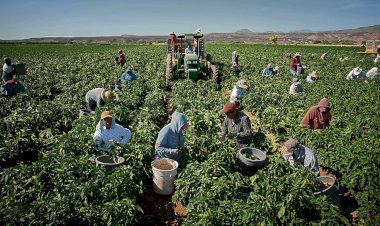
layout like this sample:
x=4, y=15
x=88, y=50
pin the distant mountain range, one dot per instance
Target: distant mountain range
x=374, y=28
x=350, y=36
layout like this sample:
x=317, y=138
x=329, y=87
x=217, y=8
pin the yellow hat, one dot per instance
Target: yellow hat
x=106, y=114
x=314, y=74
x=106, y=95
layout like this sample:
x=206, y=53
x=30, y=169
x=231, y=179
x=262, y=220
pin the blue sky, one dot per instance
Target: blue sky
x=46, y=18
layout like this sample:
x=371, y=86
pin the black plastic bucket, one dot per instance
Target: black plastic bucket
x=249, y=166
x=328, y=186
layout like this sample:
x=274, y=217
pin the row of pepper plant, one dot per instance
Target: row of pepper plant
x=63, y=185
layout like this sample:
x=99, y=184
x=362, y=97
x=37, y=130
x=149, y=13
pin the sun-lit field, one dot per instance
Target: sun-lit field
x=47, y=160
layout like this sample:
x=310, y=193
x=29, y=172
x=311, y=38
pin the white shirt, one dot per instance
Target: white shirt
x=237, y=94
x=372, y=73
x=7, y=69
x=104, y=137
x=188, y=50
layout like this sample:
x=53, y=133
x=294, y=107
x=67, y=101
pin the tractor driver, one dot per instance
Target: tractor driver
x=189, y=49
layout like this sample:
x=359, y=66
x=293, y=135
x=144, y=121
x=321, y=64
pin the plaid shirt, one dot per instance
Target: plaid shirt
x=241, y=127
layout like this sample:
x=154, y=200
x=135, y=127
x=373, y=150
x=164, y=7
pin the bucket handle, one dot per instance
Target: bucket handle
x=336, y=185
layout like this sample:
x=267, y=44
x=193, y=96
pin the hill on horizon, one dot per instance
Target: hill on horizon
x=347, y=36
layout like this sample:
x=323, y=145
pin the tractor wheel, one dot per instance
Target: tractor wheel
x=214, y=73
x=169, y=71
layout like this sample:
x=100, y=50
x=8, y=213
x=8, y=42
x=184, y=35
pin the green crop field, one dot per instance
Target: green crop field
x=63, y=186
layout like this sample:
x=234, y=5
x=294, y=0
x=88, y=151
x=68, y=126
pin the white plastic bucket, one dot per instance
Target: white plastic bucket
x=164, y=172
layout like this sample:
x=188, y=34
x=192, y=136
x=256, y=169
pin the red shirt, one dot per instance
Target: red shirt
x=294, y=62
x=315, y=119
x=121, y=58
x=173, y=40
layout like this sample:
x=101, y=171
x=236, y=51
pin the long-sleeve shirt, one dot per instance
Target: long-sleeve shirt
x=125, y=77
x=295, y=88
x=316, y=119
x=372, y=73
x=294, y=62
x=237, y=94
x=268, y=72
x=170, y=140
x=8, y=72
x=235, y=59
x=11, y=88
x=306, y=157
x=94, y=97
x=241, y=127
x=104, y=137
x=309, y=79
x=351, y=75
x=121, y=59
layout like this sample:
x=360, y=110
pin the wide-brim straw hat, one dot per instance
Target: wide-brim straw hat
x=242, y=84
x=106, y=95
x=314, y=74
x=297, y=54
x=357, y=71
x=269, y=66
x=172, y=33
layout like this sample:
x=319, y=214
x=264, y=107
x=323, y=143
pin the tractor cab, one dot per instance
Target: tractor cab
x=192, y=66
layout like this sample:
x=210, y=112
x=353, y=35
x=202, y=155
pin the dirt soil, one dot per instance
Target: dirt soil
x=159, y=209
x=347, y=201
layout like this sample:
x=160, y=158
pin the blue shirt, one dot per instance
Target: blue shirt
x=170, y=139
x=268, y=72
x=128, y=77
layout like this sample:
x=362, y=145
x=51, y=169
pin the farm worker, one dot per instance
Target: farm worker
x=128, y=75
x=188, y=49
x=98, y=97
x=235, y=61
x=295, y=152
x=170, y=141
x=372, y=73
x=238, y=92
x=237, y=125
x=295, y=64
x=11, y=88
x=319, y=116
x=356, y=73
x=108, y=131
x=377, y=59
x=269, y=71
x=323, y=56
x=311, y=78
x=173, y=39
x=342, y=59
x=296, y=87
x=120, y=59
x=9, y=69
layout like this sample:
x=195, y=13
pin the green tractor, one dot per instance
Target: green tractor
x=186, y=59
